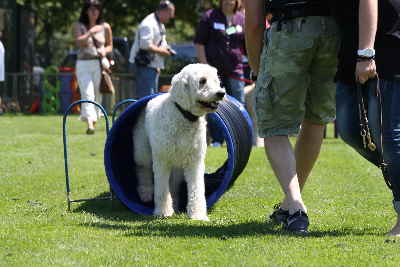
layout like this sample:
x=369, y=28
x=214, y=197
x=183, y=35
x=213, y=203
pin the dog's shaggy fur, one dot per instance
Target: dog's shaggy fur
x=170, y=147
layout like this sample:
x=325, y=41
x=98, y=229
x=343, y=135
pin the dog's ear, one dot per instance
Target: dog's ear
x=179, y=85
x=180, y=79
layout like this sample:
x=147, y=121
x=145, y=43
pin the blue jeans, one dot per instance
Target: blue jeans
x=146, y=80
x=348, y=124
x=234, y=87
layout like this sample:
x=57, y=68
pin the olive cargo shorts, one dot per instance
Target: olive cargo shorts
x=295, y=82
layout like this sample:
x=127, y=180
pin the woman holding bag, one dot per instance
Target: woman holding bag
x=93, y=38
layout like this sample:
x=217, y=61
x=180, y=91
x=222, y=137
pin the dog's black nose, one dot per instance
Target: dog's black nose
x=220, y=95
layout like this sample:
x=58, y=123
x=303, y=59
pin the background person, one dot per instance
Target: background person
x=151, y=37
x=219, y=41
x=89, y=29
x=370, y=45
x=294, y=87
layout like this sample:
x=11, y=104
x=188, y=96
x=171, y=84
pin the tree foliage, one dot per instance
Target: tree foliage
x=55, y=17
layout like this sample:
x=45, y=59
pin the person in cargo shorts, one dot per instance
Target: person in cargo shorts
x=295, y=93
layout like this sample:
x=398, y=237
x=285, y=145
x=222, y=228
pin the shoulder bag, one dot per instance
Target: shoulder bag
x=106, y=84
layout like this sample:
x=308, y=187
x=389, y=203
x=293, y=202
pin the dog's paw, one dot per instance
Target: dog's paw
x=199, y=217
x=163, y=213
x=145, y=193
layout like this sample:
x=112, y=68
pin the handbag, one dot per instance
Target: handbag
x=143, y=57
x=106, y=84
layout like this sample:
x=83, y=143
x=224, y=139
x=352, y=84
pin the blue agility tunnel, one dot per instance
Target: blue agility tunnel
x=231, y=118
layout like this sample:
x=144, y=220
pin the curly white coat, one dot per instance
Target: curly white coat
x=170, y=147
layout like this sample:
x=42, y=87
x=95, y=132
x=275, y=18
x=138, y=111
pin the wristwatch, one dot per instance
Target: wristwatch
x=367, y=53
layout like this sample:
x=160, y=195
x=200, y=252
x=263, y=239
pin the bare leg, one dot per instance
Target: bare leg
x=307, y=149
x=90, y=126
x=281, y=157
x=293, y=168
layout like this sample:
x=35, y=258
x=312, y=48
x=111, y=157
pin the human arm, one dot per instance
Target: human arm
x=202, y=38
x=253, y=29
x=81, y=37
x=146, y=42
x=368, y=20
x=159, y=50
x=108, y=46
x=201, y=53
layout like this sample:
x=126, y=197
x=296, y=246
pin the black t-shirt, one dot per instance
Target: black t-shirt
x=319, y=7
x=310, y=7
x=387, y=45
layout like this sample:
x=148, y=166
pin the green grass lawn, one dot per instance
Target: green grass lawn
x=349, y=207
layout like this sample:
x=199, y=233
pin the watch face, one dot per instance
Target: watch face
x=369, y=52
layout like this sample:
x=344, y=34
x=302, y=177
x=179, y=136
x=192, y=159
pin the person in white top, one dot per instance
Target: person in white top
x=150, y=49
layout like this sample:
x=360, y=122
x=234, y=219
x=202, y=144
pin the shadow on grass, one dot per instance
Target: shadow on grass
x=252, y=228
x=164, y=228
x=115, y=211
x=109, y=209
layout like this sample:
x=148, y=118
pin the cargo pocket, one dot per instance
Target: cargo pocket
x=263, y=96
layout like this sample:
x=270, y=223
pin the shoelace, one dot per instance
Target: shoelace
x=297, y=214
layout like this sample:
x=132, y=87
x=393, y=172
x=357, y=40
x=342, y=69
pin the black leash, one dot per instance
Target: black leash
x=362, y=113
x=364, y=127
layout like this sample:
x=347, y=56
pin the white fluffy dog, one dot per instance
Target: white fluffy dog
x=170, y=141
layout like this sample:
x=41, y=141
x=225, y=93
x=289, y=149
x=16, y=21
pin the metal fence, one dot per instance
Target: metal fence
x=53, y=92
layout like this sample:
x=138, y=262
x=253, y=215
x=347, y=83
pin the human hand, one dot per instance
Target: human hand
x=101, y=51
x=165, y=52
x=172, y=51
x=95, y=29
x=365, y=70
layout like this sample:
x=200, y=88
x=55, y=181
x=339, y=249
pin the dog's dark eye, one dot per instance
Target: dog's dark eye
x=202, y=81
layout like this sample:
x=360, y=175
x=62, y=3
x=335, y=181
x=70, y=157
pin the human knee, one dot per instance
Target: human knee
x=275, y=139
x=314, y=125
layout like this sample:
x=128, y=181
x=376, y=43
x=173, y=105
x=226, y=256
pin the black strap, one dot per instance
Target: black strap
x=189, y=116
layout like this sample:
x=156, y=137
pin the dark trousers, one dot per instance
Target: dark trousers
x=348, y=124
